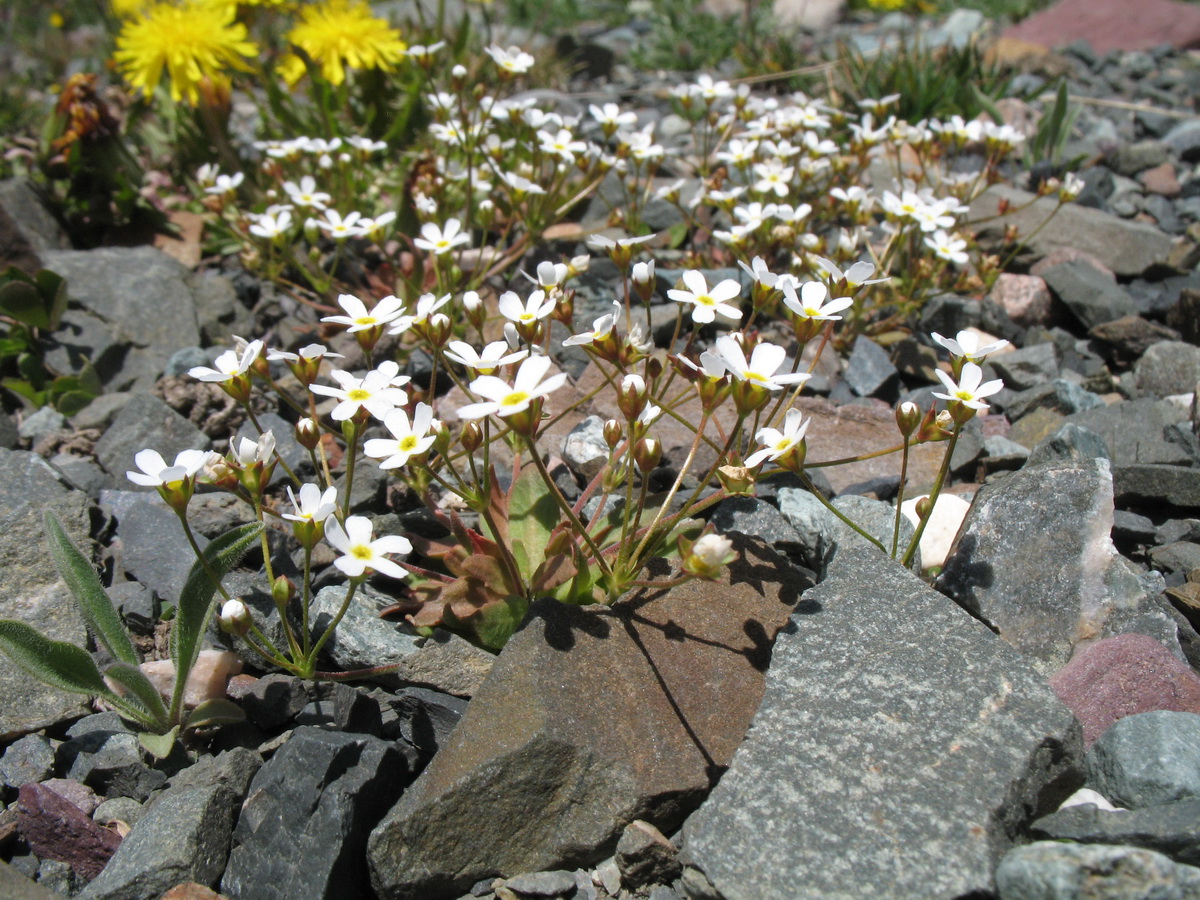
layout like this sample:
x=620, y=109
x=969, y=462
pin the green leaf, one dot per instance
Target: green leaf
x=496, y=622
x=196, y=600
x=217, y=711
x=532, y=515
x=159, y=745
x=58, y=663
x=70, y=402
x=53, y=288
x=98, y=612
x=141, y=689
x=23, y=301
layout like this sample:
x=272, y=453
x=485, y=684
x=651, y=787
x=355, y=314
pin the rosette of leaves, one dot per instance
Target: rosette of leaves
x=123, y=685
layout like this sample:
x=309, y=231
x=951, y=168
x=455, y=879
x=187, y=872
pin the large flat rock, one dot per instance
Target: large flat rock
x=1113, y=24
x=899, y=749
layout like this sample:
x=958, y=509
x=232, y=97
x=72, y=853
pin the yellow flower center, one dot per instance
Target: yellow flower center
x=358, y=395
x=515, y=399
x=361, y=551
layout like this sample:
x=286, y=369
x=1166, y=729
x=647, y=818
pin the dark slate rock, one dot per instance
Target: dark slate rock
x=1128, y=427
x=118, y=809
x=426, y=718
x=1071, y=441
x=447, y=662
x=15, y=886
x=813, y=524
x=184, y=834
x=869, y=371
x=1059, y=396
x=1035, y=561
x=33, y=591
x=1181, y=556
x=29, y=759
x=304, y=825
x=1027, y=367
x=754, y=518
x=138, y=605
x=154, y=548
x=681, y=670
x=1124, y=340
x=1133, y=158
x=83, y=474
x=949, y=314
x=41, y=424
x=55, y=828
x=1184, y=139
x=146, y=422
x=645, y=856
x=876, y=518
x=342, y=707
x=1157, y=487
x=1131, y=528
x=362, y=639
x=141, y=291
x=1147, y=759
x=1172, y=829
x=1168, y=367
x=542, y=884
x=274, y=700
x=111, y=764
x=1121, y=676
x=1179, y=530
x=1050, y=870
x=938, y=752
x=29, y=211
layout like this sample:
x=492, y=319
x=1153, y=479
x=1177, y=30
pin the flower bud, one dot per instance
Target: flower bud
x=614, y=432
x=707, y=556
x=908, y=417
x=737, y=480
x=647, y=453
x=470, y=437
x=235, y=618
x=282, y=591
x=439, y=329
x=643, y=279
x=632, y=395
x=923, y=508
x=308, y=435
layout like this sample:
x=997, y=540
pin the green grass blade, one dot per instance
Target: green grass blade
x=98, y=612
x=58, y=663
x=196, y=600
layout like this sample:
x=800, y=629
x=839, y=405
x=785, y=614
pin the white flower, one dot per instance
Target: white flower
x=813, y=301
x=514, y=59
x=358, y=318
x=760, y=369
x=503, y=400
x=378, y=392
x=442, y=240
x=359, y=552
x=538, y=306
x=600, y=242
x=312, y=504
x=521, y=185
x=229, y=364
x=966, y=345
x=949, y=247
x=775, y=442
x=611, y=117
x=306, y=193
x=551, y=275
x=248, y=452
x=407, y=440
x=488, y=360
x=562, y=144
x=707, y=304
x=600, y=328
x=226, y=184
x=308, y=351
x=968, y=391
x=858, y=274
x=427, y=305
x=340, y=228
x=156, y=472
x=708, y=555
x=271, y=226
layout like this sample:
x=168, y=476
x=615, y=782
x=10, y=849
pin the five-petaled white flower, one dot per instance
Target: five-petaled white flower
x=765, y=358
x=378, y=392
x=340, y=228
x=308, y=351
x=312, y=504
x=601, y=327
x=408, y=438
x=229, y=364
x=538, y=306
x=271, y=226
x=776, y=443
x=359, y=552
x=813, y=301
x=968, y=391
x=442, y=240
x=965, y=345
x=359, y=318
x=502, y=400
x=514, y=59
x=706, y=303
x=306, y=194
x=155, y=471
x=248, y=452
x=487, y=360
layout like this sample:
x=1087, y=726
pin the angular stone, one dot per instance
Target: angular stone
x=753, y=518
x=1092, y=296
x=29, y=213
x=1058, y=871
x=154, y=548
x=585, y=450
x=645, y=856
x=304, y=825
x=1071, y=441
x=55, y=828
x=15, y=886
x=1169, y=828
x=1166, y=368
x=1128, y=248
x=273, y=700
x=1112, y=25
x=883, y=764
x=146, y=422
x=1121, y=676
x=1025, y=298
x=1127, y=427
x=1035, y=561
x=1157, y=487
x=1147, y=759
x=1130, y=336
x=447, y=662
x=680, y=670
x=362, y=639
x=184, y=834
x=30, y=759
x=1059, y=395
x=542, y=884
x=869, y=371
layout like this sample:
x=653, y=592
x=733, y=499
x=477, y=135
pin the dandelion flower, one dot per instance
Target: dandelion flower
x=342, y=34
x=194, y=41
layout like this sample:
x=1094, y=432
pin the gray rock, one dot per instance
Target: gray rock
x=146, y=422
x=41, y=424
x=1147, y=759
x=1034, y=560
x=1180, y=556
x=538, y=744
x=1027, y=367
x=1169, y=828
x=144, y=294
x=344, y=708
x=8, y=431
x=1127, y=428
x=273, y=700
x=542, y=884
x=753, y=518
x=1127, y=248
x=15, y=886
x=111, y=764
x=1071, y=441
x=137, y=604
x=1184, y=139
x=645, y=856
x=426, y=718
x=83, y=474
x=184, y=834
x=1133, y=158
x=880, y=763
x=29, y=211
x=1157, y=487
x=1059, y=396
x=448, y=663
x=30, y=758
x=877, y=519
x=118, y=809
x=1168, y=367
x=362, y=639
x=185, y=359
x=101, y=412
x=813, y=524
x=1049, y=870
x=584, y=450
x=154, y=548
x=869, y=371
x=304, y=825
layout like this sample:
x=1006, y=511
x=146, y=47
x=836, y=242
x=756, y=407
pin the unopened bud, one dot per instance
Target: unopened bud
x=235, y=618
x=614, y=432
x=737, y=480
x=647, y=453
x=282, y=591
x=308, y=435
x=471, y=437
x=924, y=508
x=908, y=417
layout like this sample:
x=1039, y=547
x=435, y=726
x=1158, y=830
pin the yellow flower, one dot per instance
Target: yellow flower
x=343, y=33
x=194, y=40
x=127, y=9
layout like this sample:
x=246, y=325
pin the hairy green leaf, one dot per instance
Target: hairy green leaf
x=532, y=515
x=217, y=711
x=196, y=600
x=98, y=612
x=58, y=663
x=141, y=689
x=159, y=745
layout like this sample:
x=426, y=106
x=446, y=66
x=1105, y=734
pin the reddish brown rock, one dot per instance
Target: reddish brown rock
x=55, y=828
x=1161, y=179
x=191, y=891
x=1025, y=298
x=591, y=718
x=1113, y=24
x=1123, y=675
